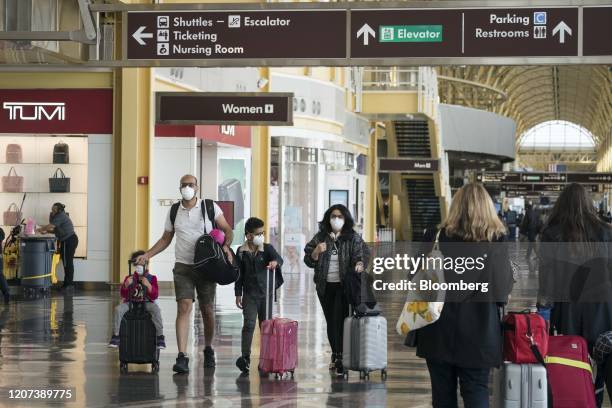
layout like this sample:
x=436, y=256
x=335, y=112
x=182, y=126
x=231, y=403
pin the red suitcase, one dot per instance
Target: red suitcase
x=569, y=372
x=278, y=354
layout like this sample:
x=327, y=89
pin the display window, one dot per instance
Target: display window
x=37, y=171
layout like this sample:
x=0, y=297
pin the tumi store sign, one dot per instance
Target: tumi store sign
x=227, y=134
x=44, y=111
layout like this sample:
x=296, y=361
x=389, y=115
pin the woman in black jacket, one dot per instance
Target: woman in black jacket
x=335, y=251
x=466, y=341
x=575, y=270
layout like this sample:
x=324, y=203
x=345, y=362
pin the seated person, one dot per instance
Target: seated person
x=141, y=286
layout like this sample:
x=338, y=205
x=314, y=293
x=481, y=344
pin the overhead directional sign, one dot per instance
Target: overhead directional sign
x=364, y=33
x=498, y=177
x=512, y=32
x=543, y=187
x=220, y=108
x=597, y=31
x=237, y=34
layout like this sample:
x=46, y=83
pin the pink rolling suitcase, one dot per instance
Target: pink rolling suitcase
x=278, y=354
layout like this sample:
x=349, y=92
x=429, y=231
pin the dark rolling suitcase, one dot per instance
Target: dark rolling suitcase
x=138, y=338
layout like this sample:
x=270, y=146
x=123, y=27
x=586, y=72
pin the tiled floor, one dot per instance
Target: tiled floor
x=61, y=343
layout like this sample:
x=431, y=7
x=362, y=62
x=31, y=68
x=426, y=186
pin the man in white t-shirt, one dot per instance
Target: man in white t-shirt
x=188, y=226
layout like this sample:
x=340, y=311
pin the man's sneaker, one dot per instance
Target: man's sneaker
x=182, y=364
x=209, y=357
x=244, y=364
x=114, y=342
x=161, y=342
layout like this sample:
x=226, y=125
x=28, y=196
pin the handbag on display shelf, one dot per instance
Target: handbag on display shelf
x=14, y=153
x=61, y=153
x=59, y=183
x=12, y=183
x=12, y=215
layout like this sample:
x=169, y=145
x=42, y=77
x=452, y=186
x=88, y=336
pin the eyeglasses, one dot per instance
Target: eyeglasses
x=192, y=185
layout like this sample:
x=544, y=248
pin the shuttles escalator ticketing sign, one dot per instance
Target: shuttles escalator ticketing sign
x=236, y=34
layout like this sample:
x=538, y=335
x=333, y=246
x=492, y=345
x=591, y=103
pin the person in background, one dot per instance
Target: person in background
x=575, y=270
x=335, y=251
x=3, y=284
x=139, y=287
x=466, y=341
x=255, y=259
x=530, y=227
x=61, y=225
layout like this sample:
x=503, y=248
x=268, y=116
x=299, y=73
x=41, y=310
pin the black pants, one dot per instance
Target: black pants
x=336, y=309
x=473, y=385
x=253, y=308
x=67, y=250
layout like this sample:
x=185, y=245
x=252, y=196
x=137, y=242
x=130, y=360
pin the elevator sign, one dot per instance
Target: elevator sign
x=236, y=34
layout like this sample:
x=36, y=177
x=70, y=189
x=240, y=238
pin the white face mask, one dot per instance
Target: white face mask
x=188, y=193
x=336, y=224
x=258, y=240
x=140, y=269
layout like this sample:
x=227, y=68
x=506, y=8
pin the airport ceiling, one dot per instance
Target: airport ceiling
x=530, y=95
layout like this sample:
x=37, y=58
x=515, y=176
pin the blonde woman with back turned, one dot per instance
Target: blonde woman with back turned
x=466, y=342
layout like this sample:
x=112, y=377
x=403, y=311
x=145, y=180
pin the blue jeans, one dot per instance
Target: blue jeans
x=473, y=385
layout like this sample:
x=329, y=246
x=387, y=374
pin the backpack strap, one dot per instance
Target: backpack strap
x=208, y=211
x=173, y=212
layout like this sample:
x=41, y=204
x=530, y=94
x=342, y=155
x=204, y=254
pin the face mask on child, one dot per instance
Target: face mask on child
x=140, y=269
x=258, y=240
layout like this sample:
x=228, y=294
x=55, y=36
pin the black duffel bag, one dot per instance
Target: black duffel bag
x=358, y=291
x=212, y=264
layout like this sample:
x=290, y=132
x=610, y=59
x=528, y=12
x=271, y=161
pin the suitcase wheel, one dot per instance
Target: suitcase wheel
x=383, y=374
x=123, y=367
x=155, y=366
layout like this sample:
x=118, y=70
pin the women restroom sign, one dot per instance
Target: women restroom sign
x=224, y=108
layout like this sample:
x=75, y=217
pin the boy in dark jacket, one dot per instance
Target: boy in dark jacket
x=141, y=286
x=255, y=259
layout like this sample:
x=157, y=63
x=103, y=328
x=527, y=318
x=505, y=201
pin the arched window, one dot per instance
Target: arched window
x=557, y=135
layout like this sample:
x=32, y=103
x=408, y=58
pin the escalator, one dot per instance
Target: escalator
x=424, y=205
x=413, y=140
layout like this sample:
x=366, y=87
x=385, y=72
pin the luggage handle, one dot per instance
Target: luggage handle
x=270, y=299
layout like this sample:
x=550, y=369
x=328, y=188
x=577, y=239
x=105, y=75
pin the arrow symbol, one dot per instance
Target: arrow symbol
x=562, y=29
x=139, y=35
x=366, y=31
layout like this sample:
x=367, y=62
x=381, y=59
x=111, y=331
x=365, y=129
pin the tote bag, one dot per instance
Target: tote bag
x=12, y=183
x=59, y=183
x=423, y=308
x=12, y=215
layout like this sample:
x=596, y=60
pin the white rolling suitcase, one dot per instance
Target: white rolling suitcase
x=520, y=386
x=364, y=346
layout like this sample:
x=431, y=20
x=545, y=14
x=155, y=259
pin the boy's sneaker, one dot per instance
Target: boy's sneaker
x=244, y=364
x=182, y=364
x=161, y=342
x=114, y=342
x=209, y=357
